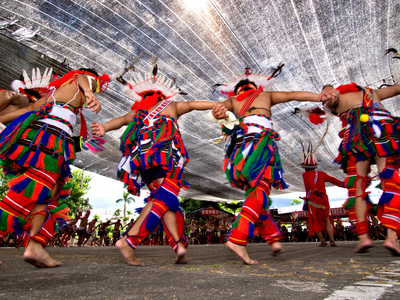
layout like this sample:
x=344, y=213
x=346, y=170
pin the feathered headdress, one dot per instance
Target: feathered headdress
x=149, y=88
x=309, y=159
x=263, y=80
x=37, y=82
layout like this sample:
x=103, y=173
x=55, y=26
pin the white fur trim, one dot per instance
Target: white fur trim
x=17, y=84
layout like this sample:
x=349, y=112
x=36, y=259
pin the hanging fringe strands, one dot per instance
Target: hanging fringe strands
x=263, y=82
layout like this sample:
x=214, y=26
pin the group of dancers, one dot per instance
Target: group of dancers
x=37, y=148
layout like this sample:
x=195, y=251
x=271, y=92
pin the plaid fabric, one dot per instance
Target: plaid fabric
x=157, y=144
x=251, y=157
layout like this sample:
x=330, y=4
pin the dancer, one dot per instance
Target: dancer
x=153, y=155
x=90, y=234
x=37, y=149
x=81, y=232
x=317, y=202
x=252, y=161
x=116, y=231
x=370, y=135
x=102, y=231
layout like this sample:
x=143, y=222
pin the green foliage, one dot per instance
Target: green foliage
x=296, y=202
x=126, y=199
x=233, y=206
x=189, y=204
x=96, y=217
x=79, y=187
x=117, y=213
x=3, y=184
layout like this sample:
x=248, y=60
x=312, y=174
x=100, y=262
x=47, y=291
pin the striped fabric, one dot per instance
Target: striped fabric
x=251, y=157
x=253, y=215
x=158, y=144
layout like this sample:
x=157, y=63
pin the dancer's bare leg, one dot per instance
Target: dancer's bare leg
x=276, y=249
x=392, y=243
x=321, y=239
x=241, y=251
x=35, y=252
x=127, y=251
x=170, y=222
x=364, y=241
x=329, y=230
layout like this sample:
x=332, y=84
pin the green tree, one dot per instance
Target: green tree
x=189, y=204
x=233, y=206
x=3, y=184
x=117, y=213
x=296, y=202
x=79, y=187
x=126, y=199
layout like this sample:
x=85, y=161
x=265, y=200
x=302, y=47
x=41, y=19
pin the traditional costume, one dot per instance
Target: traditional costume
x=152, y=148
x=318, y=207
x=36, y=150
x=370, y=130
x=252, y=163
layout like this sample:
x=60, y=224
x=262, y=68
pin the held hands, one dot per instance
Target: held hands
x=92, y=102
x=219, y=111
x=98, y=129
x=332, y=96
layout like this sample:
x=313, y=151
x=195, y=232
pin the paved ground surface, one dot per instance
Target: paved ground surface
x=304, y=271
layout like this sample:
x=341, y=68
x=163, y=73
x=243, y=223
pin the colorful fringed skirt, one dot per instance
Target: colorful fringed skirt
x=151, y=150
x=36, y=156
x=251, y=154
x=379, y=135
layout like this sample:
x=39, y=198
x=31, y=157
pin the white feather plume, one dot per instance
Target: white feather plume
x=17, y=84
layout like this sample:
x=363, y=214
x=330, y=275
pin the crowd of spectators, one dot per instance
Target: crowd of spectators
x=198, y=231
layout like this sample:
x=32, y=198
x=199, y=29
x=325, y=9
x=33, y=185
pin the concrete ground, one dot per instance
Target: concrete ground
x=304, y=271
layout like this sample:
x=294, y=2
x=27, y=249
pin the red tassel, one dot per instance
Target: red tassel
x=316, y=118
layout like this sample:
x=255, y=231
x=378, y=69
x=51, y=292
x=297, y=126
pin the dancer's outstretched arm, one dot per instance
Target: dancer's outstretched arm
x=100, y=129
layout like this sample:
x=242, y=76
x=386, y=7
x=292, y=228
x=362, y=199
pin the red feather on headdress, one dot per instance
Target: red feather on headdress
x=314, y=114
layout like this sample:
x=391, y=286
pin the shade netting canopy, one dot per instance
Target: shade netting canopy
x=201, y=43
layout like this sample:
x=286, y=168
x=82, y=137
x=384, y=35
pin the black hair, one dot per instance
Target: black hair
x=326, y=85
x=242, y=83
x=33, y=93
x=93, y=71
